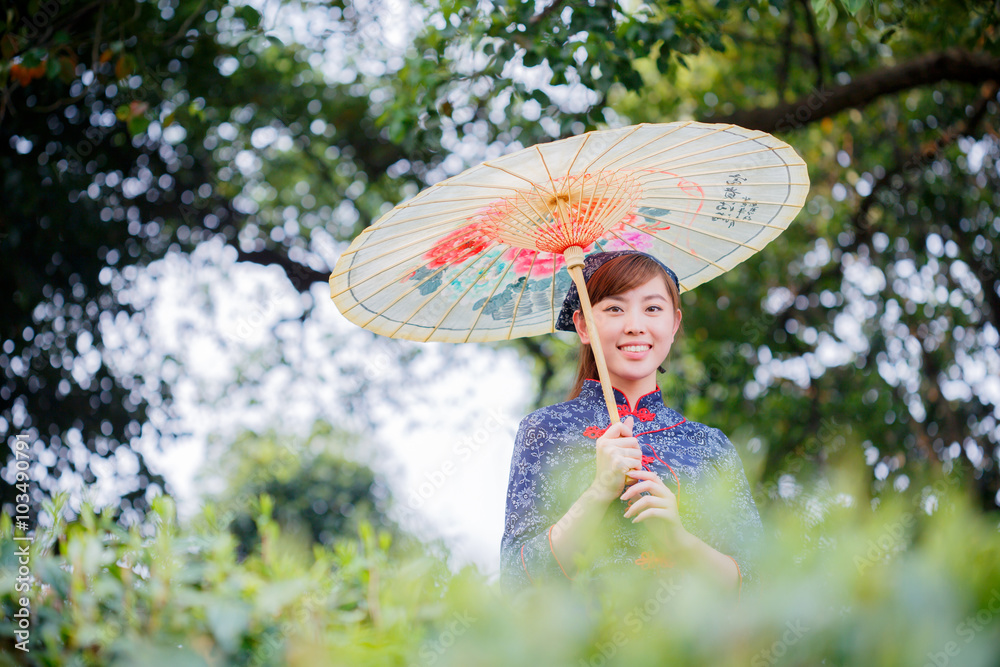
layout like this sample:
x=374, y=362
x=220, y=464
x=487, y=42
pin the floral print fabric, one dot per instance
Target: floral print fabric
x=554, y=462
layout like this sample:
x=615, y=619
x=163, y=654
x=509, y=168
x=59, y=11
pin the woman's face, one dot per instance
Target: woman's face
x=636, y=330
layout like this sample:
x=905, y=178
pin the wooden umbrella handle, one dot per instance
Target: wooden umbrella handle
x=574, y=264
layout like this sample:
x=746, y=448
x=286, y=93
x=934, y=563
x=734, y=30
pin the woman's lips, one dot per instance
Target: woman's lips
x=635, y=351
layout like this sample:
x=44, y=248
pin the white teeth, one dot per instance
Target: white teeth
x=634, y=348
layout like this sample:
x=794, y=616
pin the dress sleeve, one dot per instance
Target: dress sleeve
x=533, y=506
x=734, y=525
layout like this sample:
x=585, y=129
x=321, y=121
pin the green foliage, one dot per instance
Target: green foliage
x=163, y=595
x=843, y=583
x=125, y=126
x=317, y=492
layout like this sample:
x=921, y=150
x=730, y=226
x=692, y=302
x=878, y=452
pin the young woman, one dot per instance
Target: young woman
x=653, y=491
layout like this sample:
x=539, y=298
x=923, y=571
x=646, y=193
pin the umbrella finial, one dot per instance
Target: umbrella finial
x=574, y=257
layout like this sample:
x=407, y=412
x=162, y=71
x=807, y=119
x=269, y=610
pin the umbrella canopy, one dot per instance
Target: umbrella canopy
x=482, y=256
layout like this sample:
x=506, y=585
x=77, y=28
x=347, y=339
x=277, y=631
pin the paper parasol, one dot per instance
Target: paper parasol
x=489, y=254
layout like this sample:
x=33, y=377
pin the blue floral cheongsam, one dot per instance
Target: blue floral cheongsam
x=554, y=463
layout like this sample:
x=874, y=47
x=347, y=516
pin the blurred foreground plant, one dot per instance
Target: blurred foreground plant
x=915, y=581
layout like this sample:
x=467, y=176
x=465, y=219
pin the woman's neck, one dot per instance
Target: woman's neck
x=634, y=389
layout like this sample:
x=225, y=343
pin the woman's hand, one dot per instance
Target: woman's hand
x=617, y=453
x=659, y=508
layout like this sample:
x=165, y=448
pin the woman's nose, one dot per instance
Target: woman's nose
x=634, y=323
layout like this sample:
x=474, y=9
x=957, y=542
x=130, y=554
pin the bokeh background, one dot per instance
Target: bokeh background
x=219, y=469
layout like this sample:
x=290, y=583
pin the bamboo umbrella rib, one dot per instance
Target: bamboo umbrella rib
x=526, y=229
x=541, y=195
x=632, y=151
x=368, y=260
x=644, y=175
x=698, y=230
x=618, y=142
x=416, y=285
x=569, y=169
x=462, y=211
x=414, y=232
x=575, y=223
x=511, y=173
x=456, y=301
x=495, y=186
x=552, y=295
x=530, y=231
x=649, y=175
x=559, y=203
x=700, y=258
x=652, y=179
x=704, y=151
x=541, y=230
x=623, y=240
x=608, y=166
x=660, y=197
x=581, y=223
x=581, y=182
x=520, y=295
x=516, y=227
x=470, y=198
x=652, y=167
x=489, y=297
x=726, y=217
x=592, y=224
x=599, y=220
x=377, y=274
x=641, y=158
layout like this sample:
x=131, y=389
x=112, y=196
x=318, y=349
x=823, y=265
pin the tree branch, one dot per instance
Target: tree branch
x=538, y=18
x=301, y=276
x=786, y=53
x=951, y=65
x=921, y=158
x=817, y=52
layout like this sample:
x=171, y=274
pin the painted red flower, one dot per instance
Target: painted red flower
x=457, y=247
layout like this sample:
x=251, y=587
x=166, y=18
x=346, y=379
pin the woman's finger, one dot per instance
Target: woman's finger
x=641, y=474
x=639, y=487
x=643, y=503
x=653, y=512
x=647, y=474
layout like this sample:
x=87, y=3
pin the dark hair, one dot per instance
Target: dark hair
x=616, y=276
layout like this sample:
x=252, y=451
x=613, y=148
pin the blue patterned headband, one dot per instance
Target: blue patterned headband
x=590, y=264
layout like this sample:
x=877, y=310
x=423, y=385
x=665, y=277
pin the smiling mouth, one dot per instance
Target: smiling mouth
x=635, y=348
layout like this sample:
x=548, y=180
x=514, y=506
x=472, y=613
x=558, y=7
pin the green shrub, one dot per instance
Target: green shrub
x=842, y=584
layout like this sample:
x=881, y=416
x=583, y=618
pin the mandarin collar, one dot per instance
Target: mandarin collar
x=590, y=391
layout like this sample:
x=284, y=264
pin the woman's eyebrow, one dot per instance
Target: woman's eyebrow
x=648, y=297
